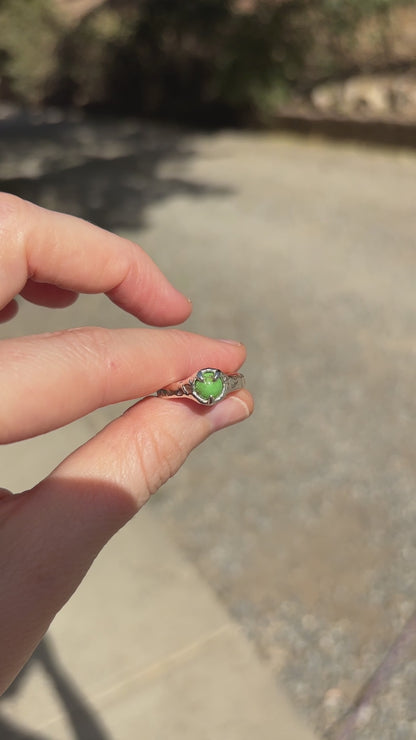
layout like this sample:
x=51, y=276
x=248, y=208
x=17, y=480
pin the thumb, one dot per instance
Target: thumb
x=51, y=534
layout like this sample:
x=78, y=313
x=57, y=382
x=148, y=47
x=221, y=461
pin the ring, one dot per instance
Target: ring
x=207, y=387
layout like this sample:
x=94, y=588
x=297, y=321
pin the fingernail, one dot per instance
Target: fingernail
x=228, y=412
x=231, y=341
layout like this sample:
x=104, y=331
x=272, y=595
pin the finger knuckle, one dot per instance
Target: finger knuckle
x=94, y=347
x=96, y=339
x=91, y=343
x=160, y=455
x=11, y=209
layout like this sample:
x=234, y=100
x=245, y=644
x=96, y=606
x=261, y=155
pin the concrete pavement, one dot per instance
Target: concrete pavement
x=304, y=524
x=144, y=649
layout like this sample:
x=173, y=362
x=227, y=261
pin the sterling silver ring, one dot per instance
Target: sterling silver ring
x=207, y=387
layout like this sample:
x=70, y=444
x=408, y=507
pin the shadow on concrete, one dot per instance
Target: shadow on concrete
x=106, y=171
x=80, y=717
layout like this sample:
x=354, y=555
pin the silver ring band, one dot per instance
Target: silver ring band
x=207, y=387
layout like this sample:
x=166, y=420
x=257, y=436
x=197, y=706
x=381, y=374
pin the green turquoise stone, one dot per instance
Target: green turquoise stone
x=208, y=387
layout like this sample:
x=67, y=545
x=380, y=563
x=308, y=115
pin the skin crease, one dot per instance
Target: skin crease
x=48, y=380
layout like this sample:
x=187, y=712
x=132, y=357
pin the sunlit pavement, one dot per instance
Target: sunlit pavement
x=302, y=520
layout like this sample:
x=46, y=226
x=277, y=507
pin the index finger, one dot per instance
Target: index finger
x=65, y=251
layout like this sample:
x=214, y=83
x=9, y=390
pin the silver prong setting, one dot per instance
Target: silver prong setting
x=207, y=387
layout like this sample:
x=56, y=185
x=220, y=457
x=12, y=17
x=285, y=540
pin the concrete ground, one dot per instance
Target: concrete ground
x=144, y=649
x=301, y=521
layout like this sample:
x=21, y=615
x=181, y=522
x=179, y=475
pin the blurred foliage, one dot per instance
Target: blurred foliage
x=338, y=24
x=195, y=60
x=30, y=32
x=87, y=58
x=184, y=59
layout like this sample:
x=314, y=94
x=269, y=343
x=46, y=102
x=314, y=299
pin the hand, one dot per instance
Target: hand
x=50, y=535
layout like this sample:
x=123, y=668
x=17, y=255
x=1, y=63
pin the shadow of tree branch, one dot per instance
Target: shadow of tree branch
x=106, y=171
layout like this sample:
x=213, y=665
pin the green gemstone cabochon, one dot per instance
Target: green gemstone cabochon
x=208, y=387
